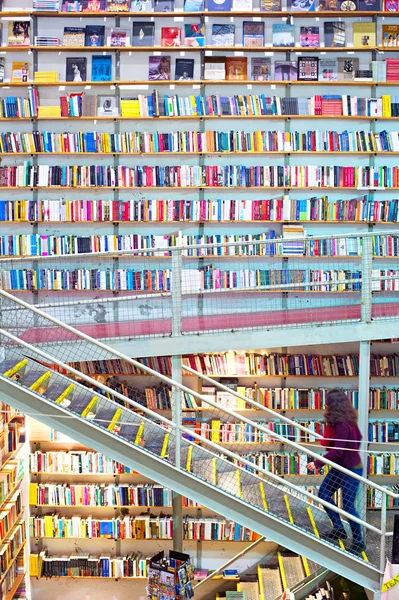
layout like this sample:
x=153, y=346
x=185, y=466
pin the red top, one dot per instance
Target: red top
x=343, y=441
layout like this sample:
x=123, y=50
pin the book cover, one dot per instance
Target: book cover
x=20, y=72
x=309, y=37
x=118, y=6
x=283, y=35
x=391, y=5
x=348, y=5
x=364, y=34
x=170, y=36
x=193, y=5
x=308, y=68
x=241, y=5
x=94, y=35
x=76, y=69
x=328, y=69
x=184, y=69
x=285, y=70
x=270, y=5
x=390, y=36
x=347, y=68
x=107, y=106
x=253, y=34
x=94, y=5
x=260, y=69
x=334, y=34
x=159, y=68
x=219, y=5
x=372, y=5
x=143, y=33
x=164, y=5
x=223, y=35
x=194, y=34
x=101, y=67
x=327, y=5
x=71, y=6
x=236, y=68
x=141, y=5
x=19, y=33
x=302, y=5
x=2, y=67
x=74, y=36
x=215, y=68
x=118, y=37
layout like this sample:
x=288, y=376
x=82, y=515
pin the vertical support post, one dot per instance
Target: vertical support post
x=177, y=504
x=364, y=395
x=367, y=266
x=383, y=528
x=116, y=196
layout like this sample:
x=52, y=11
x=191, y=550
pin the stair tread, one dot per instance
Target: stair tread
x=31, y=376
x=271, y=583
x=293, y=569
x=55, y=390
x=251, y=589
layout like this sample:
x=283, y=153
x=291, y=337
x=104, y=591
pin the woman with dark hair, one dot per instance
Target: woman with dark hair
x=342, y=438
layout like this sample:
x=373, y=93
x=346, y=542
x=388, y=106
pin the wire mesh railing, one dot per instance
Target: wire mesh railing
x=178, y=288
x=289, y=490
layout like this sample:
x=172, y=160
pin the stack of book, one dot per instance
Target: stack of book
x=46, y=5
x=392, y=69
x=46, y=77
x=48, y=111
x=46, y=41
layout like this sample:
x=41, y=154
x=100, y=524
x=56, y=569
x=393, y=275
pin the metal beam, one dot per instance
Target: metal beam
x=186, y=484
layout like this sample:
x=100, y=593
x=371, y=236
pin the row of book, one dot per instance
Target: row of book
x=14, y=572
x=11, y=547
x=236, y=433
x=132, y=566
x=75, y=462
x=282, y=209
x=99, y=495
x=383, y=431
x=155, y=398
x=226, y=176
x=249, y=245
x=10, y=476
x=144, y=142
x=375, y=498
x=383, y=464
x=197, y=280
x=10, y=513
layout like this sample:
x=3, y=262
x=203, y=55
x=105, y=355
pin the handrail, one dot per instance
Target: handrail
x=184, y=388
x=179, y=248
x=180, y=428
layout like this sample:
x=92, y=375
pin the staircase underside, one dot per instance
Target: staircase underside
x=191, y=484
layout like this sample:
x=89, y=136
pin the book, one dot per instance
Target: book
x=193, y=5
x=184, y=69
x=2, y=68
x=19, y=33
x=74, y=36
x=118, y=6
x=141, y=5
x=76, y=69
x=347, y=68
x=215, y=68
x=20, y=72
x=143, y=33
x=219, y=5
x=101, y=67
x=260, y=69
x=309, y=37
x=326, y=5
x=364, y=34
x=170, y=36
x=236, y=68
x=372, y=5
x=94, y=35
x=391, y=5
x=347, y=5
x=270, y=5
x=223, y=35
x=164, y=5
x=328, y=69
x=118, y=37
x=107, y=106
x=159, y=68
x=308, y=68
x=253, y=34
x=390, y=36
x=285, y=70
x=94, y=5
x=302, y=5
x=334, y=34
x=241, y=5
x=283, y=35
x=194, y=34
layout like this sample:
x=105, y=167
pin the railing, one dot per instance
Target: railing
x=303, y=510
x=229, y=286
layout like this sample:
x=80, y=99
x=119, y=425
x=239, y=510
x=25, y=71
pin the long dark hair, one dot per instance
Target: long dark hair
x=339, y=408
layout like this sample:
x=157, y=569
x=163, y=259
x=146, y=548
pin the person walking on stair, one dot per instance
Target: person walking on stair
x=342, y=438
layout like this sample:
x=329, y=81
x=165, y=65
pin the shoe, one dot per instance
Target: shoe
x=357, y=548
x=334, y=535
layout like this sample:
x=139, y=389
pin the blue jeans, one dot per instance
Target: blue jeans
x=334, y=481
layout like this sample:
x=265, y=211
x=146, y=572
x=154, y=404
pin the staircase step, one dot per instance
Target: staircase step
x=250, y=589
x=128, y=431
x=31, y=377
x=9, y=368
x=105, y=415
x=270, y=583
x=205, y=469
x=57, y=389
x=80, y=402
x=230, y=481
x=291, y=567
